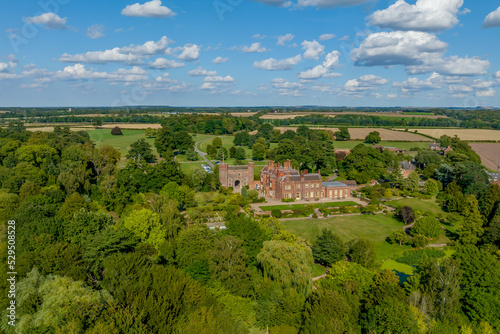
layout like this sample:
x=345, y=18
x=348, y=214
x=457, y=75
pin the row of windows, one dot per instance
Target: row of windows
x=335, y=194
x=307, y=185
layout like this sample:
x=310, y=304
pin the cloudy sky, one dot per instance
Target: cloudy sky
x=250, y=53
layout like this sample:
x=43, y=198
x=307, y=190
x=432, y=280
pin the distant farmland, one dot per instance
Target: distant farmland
x=464, y=134
x=489, y=153
x=361, y=133
x=292, y=115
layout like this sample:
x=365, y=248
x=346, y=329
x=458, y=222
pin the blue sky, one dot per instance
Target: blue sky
x=437, y=53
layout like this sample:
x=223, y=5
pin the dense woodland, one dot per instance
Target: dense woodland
x=107, y=250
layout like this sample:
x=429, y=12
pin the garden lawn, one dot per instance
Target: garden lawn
x=188, y=167
x=426, y=206
x=372, y=227
x=302, y=206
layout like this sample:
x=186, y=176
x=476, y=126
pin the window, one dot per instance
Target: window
x=307, y=186
x=317, y=185
x=239, y=174
x=297, y=195
x=317, y=193
x=307, y=194
x=298, y=186
x=288, y=187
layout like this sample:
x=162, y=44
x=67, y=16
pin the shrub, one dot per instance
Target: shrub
x=116, y=131
x=427, y=226
x=419, y=241
x=288, y=200
x=276, y=213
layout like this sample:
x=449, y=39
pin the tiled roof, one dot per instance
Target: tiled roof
x=312, y=177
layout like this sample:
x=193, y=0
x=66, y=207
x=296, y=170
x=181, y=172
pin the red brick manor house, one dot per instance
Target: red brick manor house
x=279, y=181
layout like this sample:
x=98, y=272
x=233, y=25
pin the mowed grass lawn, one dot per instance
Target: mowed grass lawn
x=426, y=206
x=302, y=206
x=375, y=228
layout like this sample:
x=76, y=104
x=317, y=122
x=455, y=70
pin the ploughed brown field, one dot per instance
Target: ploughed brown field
x=292, y=115
x=489, y=153
x=464, y=134
x=361, y=133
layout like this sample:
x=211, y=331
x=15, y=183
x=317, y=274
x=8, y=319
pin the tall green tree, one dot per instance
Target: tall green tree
x=328, y=248
x=57, y=304
x=373, y=138
x=441, y=281
x=472, y=227
x=141, y=150
x=287, y=263
x=145, y=224
x=328, y=311
x=258, y=151
x=227, y=261
x=362, y=251
x=343, y=134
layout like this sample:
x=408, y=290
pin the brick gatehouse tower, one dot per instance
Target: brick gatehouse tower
x=237, y=176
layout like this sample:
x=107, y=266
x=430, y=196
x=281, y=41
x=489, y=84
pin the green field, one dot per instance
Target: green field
x=302, y=206
x=372, y=227
x=122, y=143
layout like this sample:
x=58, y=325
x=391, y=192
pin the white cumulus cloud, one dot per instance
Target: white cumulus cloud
x=272, y=64
x=424, y=15
x=152, y=8
x=128, y=54
x=50, y=21
x=363, y=84
x=255, y=47
x=162, y=63
x=285, y=38
x=313, y=49
x=219, y=78
x=453, y=66
x=414, y=85
x=323, y=70
x=326, y=37
x=492, y=19
x=190, y=52
x=398, y=48
x=220, y=60
x=200, y=72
